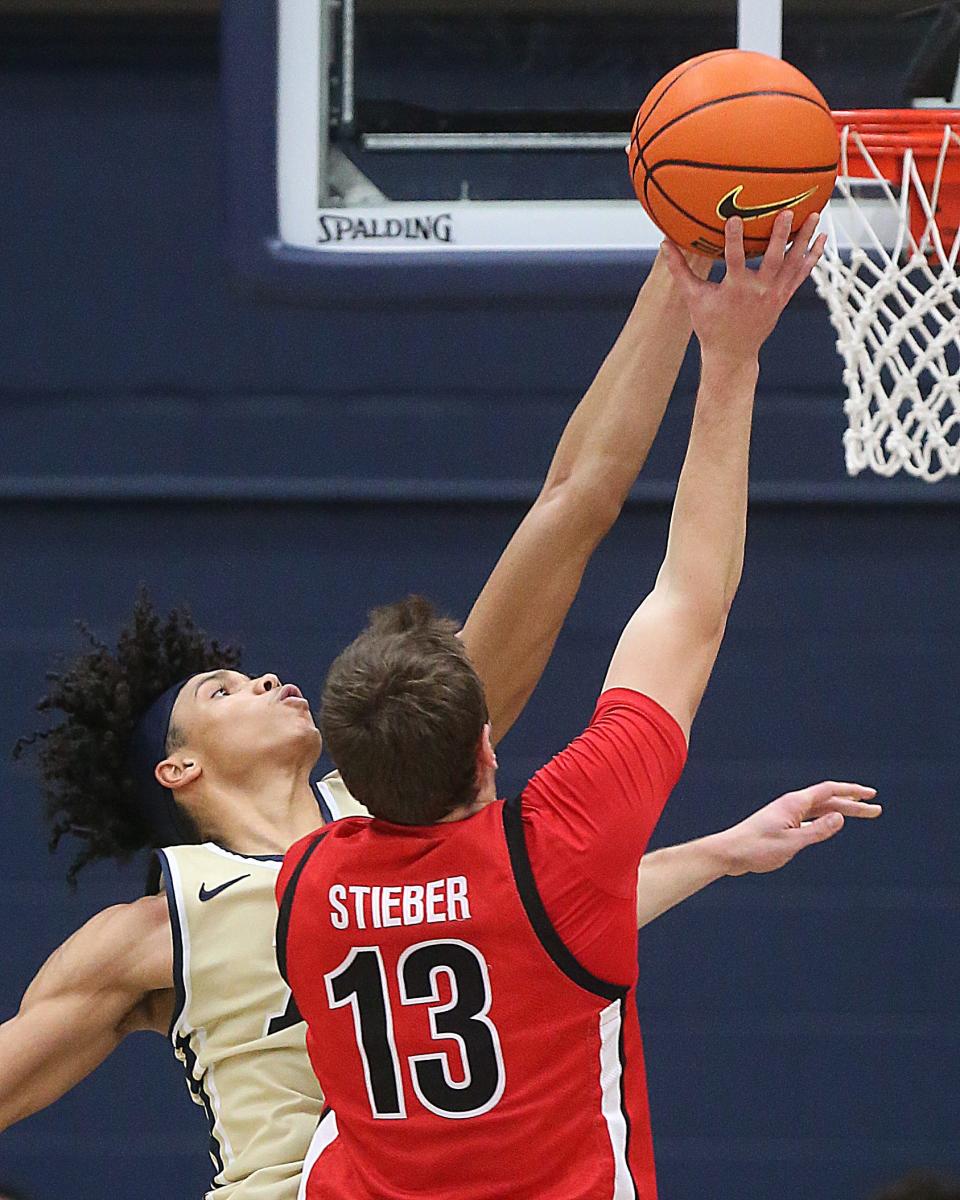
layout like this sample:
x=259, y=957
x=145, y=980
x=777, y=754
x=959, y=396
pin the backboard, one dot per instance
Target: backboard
x=408, y=148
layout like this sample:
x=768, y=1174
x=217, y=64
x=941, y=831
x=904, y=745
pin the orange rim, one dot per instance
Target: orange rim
x=899, y=128
x=887, y=133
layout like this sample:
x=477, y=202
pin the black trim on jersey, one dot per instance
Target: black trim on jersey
x=622, y=1055
x=537, y=914
x=286, y=904
x=199, y=1093
x=180, y=993
x=254, y=857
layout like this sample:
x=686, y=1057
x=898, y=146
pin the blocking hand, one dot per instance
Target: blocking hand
x=735, y=317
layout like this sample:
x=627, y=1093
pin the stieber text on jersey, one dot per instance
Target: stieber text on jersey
x=371, y=907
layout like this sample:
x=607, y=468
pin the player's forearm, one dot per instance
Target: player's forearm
x=704, y=558
x=603, y=447
x=609, y=436
x=668, y=877
x=38, y=1063
x=19, y=1069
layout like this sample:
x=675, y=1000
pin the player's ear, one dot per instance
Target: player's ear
x=177, y=771
x=486, y=755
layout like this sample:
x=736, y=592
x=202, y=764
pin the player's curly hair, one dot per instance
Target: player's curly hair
x=87, y=789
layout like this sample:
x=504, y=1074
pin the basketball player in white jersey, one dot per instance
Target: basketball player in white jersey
x=165, y=743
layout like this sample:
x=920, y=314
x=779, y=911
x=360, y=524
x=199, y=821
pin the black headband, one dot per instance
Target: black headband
x=148, y=746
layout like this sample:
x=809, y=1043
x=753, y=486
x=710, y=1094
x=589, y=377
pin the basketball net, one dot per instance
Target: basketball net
x=889, y=277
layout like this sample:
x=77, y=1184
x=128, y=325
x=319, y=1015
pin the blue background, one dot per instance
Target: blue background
x=285, y=466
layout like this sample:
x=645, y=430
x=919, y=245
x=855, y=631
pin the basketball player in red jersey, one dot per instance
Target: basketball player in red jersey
x=235, y=754
x=465, y=965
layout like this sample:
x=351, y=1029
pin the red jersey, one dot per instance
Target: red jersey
x=465, y=1046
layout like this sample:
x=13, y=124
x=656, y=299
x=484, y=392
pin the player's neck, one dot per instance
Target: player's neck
x=486, y=795
x=263, y=817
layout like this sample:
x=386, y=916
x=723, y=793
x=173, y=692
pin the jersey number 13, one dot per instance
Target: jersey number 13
x=361, y=982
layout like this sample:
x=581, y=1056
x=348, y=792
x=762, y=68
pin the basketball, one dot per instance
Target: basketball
x=732, y=133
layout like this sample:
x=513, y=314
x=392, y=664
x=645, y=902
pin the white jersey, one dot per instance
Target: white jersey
x=235, y=1027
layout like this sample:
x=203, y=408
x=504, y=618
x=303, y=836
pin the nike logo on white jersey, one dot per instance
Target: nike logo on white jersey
x=205, y=895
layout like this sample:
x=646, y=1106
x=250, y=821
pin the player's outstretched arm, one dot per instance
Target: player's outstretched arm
x=109, y=979
x=514, y=623
x=766, y=841
x=668, y=649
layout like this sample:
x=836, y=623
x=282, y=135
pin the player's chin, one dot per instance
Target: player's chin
x=298, y=710
x=304, y=738
x=315, y=744
x=308, y=722
x=311, y=730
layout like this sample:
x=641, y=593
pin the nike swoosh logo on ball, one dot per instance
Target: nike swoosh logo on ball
x=205, y=895
x=728, y=206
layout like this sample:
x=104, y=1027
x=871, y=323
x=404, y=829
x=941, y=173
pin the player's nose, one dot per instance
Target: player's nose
x=266, y=683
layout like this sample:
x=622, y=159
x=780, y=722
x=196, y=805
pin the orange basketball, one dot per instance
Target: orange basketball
x=732, y=133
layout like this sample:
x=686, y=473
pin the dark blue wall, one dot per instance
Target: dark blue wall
x=285, y=469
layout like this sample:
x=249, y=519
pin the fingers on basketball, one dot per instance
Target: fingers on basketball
x=683, y=275
x=773, y=257
x=733, y=250
x=803, y=256
x=815, y=253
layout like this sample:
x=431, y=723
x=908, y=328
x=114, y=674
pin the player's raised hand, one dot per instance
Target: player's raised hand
x=771, y=837
x=735, y=317
x=699, y=264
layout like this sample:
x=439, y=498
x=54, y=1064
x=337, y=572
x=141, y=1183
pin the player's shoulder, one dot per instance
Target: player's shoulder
x=127, y=924
x=635, y=720
x=632, y=747
x=127, y=943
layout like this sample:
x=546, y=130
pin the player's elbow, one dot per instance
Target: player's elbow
x=731, y=587
x=701, y=602
x=719, y=594
x=708, y=623
x=701, y=611
x=719, y=605
x=583, y=502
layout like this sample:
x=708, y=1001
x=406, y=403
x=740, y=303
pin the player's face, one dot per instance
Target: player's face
x=232, y=723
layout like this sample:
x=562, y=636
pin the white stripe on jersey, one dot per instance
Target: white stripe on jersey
x=325, y=1136
x=326, y=791
x=611, y=1084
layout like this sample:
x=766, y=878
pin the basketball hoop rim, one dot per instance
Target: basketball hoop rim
x=898, y=128
x=913, y=153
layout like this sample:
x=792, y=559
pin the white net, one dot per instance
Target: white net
x=889, y=277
